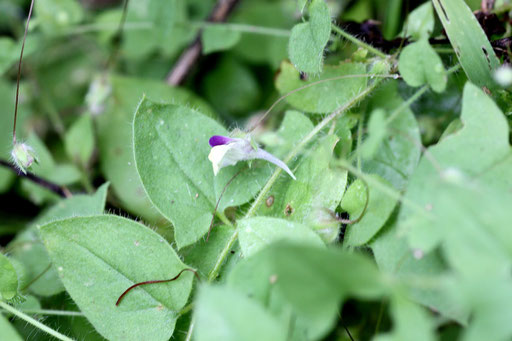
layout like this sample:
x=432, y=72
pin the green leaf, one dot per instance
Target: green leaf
x=308, y=40
x=411, y=322
x=377, y=132
x=394, y=256
x=255, y=277
x=55, y=16
x=380, y=207
x=420, y=22
x=8, y=279
x=79, y=140
x=99, y=257
x=258, y=232
x=293, y=128
x=399, y=153
x=471, y=152
x=171, y=152
x=324, y=97
x=314, y=195
x=419, y=64
x=27, y=247
x=218, y=38
x=299, y=268
x=224, y=314
x=204, y=254
x=471, y=46
x=115, y=139
x=7, y=330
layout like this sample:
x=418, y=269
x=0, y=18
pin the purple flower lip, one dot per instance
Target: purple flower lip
x=217, y=140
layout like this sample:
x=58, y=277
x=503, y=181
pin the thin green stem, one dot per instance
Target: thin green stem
x=406, y=104
x=52, y=312
x=222, y=257
x=358, y=42
x=359, y=139
x=224, y=219
x=190, y=329
x=34, y=322
x=269, y=31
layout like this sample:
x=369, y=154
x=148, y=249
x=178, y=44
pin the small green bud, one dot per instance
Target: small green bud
x=380, y=67
x=23, y=156
x=360, y=55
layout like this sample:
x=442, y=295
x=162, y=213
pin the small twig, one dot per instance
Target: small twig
x=59, y=190
x=19, y=74
x=155, y=282
x=189, y=57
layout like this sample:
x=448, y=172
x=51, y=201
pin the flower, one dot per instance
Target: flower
x=227, y=151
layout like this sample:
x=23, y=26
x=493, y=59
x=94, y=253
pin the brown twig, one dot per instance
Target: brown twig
x=190, y=56
x=59, y=190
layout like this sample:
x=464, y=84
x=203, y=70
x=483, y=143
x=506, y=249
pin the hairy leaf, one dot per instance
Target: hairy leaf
x=99, y=257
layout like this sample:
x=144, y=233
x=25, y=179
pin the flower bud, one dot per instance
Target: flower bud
x=23, y=156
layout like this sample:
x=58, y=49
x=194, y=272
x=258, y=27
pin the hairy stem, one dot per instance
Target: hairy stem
x=358, y=42
x=49, y=312
x=33, y=322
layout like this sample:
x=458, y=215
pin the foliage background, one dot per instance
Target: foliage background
x=397, y=129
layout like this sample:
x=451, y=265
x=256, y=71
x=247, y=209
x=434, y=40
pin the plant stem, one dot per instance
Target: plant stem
x=59, y=190
x=358, y=42
x=269, y=31
x=34, y=322
x=406, y=104
x=190, y=329
x=19, y=74
x=52, y=312
x=223, y=255
x=224, y=219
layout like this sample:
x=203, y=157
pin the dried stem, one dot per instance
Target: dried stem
x=19, y=74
